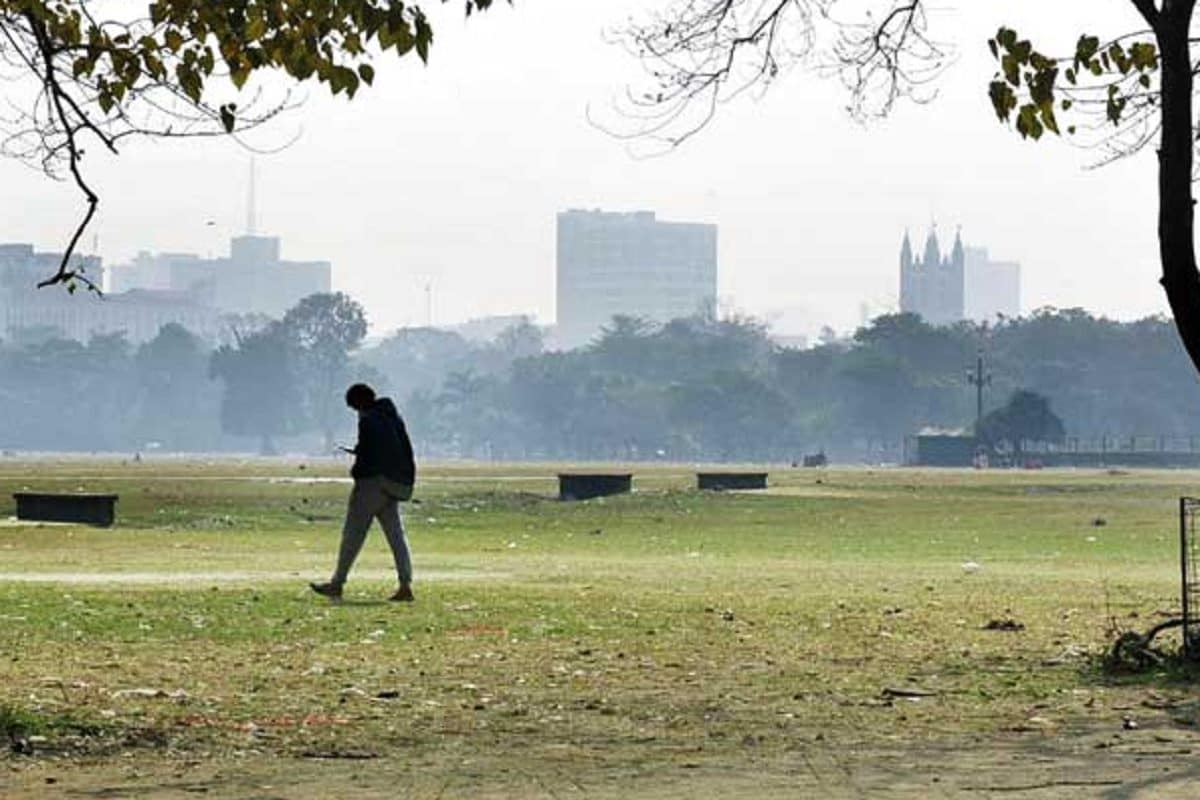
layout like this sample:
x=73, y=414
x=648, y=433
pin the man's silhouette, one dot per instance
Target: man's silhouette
x=383, y=474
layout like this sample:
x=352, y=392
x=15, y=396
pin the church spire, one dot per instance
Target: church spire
x=933, y=251
x=906, y=253
x=957, y=256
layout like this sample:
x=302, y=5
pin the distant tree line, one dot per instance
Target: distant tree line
x=690, y=389
x=176, y=393
x=698, y=389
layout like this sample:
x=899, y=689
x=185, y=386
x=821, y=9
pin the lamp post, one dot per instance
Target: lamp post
x=978, y=379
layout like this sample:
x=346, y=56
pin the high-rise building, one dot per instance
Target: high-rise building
x=993, y=287
x=631, y=264
x=933, y=286
x=253, y=279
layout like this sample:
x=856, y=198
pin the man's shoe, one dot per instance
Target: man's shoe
x=330, y=590
x=403, y=595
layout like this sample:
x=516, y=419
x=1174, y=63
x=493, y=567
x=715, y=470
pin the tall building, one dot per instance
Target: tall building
x=138, y=314
x=993, y=287
x=630, y=264
x=253, y=279
x=966, y=284
x=933, y=286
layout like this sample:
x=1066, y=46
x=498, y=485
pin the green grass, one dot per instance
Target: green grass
x=667, y=626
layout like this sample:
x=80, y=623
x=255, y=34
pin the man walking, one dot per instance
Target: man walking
x=383, y=474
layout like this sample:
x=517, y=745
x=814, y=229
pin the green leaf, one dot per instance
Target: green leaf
x=1012, y=69
x=1048, y=118
x=1028, y=124
x=256, y=29
x=1085, y=49
x=240, y=74
x=424, y=36
x=1004, y=99
x=1144, y=56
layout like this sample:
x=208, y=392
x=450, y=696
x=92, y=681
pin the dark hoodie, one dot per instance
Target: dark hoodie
x=383, y=447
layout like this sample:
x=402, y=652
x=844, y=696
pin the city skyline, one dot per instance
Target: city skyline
x=161, y=272
x=437, y=190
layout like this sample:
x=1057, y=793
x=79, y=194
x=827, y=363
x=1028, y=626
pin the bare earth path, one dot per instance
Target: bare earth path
x=1135, y=765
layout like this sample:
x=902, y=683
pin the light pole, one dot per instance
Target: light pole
x=978, y=379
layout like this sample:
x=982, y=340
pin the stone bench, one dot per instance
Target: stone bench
x=578, y=486
x=91, y=509
x=724, y=481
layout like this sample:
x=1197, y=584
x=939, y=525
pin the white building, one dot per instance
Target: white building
x=253, y=279
x=630, y=264
x=139, y=314
x=993, y=288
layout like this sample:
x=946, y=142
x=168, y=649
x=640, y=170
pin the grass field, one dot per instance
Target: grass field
x=835, y=636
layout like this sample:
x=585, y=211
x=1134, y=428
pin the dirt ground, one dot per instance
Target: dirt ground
x=1149, y=762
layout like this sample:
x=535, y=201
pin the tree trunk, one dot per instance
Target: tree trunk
x=1176, y=216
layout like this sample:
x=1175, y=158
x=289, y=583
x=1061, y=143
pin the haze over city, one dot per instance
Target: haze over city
x=838, y=442
x=451, y=176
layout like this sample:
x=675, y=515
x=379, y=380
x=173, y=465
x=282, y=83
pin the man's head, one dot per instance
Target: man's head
x=360, y=397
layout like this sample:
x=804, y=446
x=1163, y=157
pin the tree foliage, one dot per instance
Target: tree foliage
x=701, y=390
x=1110, y=87
x=176, y=396
x=1026, y=417
x=322, y=330
x=261, y=395
x=689, y=390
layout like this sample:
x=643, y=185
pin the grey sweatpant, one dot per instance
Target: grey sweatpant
x=374, y=498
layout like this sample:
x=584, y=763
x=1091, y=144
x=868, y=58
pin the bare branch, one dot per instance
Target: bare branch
x=698, y=54
x=882, y=62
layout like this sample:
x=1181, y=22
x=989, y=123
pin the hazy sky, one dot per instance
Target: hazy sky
x=452, y=175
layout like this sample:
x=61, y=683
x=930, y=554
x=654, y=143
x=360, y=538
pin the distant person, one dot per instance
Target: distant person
x=383, y=474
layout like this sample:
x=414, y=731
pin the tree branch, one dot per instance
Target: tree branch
x=1147, y=10
x=65, y=274
x=700, y=53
